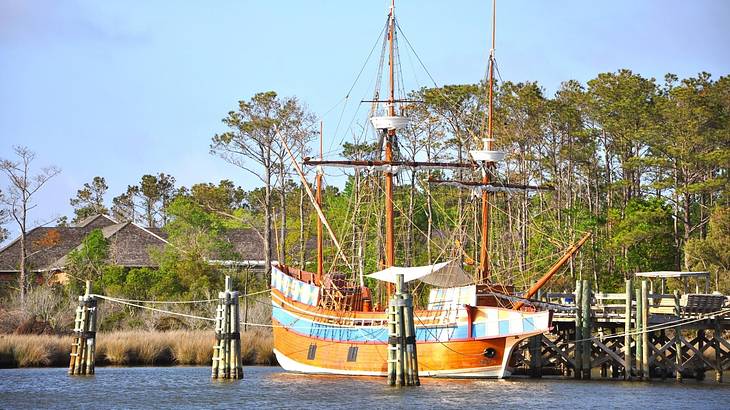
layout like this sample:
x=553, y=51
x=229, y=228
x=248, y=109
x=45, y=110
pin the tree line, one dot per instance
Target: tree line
x=642, y=164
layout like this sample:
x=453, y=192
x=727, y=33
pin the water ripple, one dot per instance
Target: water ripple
x=270, y=387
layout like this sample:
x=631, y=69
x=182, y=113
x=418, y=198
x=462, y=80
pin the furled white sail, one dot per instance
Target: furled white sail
x=444, y=274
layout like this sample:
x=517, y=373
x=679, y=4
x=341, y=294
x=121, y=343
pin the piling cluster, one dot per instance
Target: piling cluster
x=402, y=354
x=227, y=348
x=637, y=358
x=83, y=347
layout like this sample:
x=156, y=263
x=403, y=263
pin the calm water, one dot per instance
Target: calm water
x=270, y=387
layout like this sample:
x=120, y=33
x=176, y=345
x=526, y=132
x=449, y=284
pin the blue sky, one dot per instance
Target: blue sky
x=124, y=88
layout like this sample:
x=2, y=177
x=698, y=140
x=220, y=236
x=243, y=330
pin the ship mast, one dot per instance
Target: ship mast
x=389, y=225
x=320, y=233
x=488, y=166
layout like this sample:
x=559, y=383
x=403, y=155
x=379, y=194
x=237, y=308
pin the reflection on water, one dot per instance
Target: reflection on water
x=270, y=387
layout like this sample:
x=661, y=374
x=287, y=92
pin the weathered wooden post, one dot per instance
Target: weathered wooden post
x=401, y=334
x=586, y=333
x=83, y=347
x=678, y=336
x=578, y=329
x=628, y=359
x=227, y=348
x=700, y=368
x=402, y=354
x=411, y=352
x=535, y=356
x=615, y=368
x=637, y=335
x=536, y=350
x=665, y=365
x=718, y=350
x=644, y=331
x=392, y=342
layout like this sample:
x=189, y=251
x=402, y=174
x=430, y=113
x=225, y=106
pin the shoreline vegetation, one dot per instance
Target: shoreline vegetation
x=133, y=348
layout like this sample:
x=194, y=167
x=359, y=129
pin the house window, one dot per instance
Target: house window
x=312, y=352
x=352, y=354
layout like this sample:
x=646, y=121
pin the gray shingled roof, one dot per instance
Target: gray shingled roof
x=129, y=244
x=246, y=243
x=46, y=244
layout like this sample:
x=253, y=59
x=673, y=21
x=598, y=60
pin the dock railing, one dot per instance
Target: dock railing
x=612, y=306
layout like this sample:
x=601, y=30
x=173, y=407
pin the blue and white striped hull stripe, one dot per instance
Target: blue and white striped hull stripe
x=380, y=334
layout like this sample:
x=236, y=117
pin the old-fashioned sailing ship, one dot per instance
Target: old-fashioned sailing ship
x=326, y=323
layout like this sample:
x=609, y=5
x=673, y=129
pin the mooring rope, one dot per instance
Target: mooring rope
x=181, y=302
x=655, y=328
x=153, y=309
x=125, y=302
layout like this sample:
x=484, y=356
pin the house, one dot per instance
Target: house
x=129, y=246
x=48, y=247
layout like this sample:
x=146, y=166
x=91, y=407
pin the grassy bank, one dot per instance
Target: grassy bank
x=133, y=348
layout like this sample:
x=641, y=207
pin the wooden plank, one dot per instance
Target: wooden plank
x=610, y=352
x=560, y=352
x=609, y=296
x=659, y=353
x=696, y=351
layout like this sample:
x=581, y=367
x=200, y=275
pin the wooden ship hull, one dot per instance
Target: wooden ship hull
x=456, y=341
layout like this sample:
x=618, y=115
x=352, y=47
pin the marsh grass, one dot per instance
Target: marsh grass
x=133, y=348
x=34, y=350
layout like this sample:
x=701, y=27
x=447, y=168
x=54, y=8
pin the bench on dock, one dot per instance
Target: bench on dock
x=702, y=303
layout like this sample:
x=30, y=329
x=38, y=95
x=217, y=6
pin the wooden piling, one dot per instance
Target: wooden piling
x=678, y=337
x=637, y=335
x=644, y=332
x=717, y=339
x=392, y=342
x=628, y=358
x=401, y=338
x=410, y=340
x=83, y=345
x=402, y=354
x=238, y=362
x=227, y=341
x=535, y=343
x=586, y=332
x=578, y=371
x=700, y=370
x=227, y=362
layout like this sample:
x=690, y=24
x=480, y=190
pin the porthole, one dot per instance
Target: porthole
x=490, y=353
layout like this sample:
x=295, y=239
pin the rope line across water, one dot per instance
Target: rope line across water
x=179, y=302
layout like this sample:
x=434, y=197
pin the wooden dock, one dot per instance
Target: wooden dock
x=635, y=335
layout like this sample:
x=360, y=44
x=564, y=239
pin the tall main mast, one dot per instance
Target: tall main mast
x=488, y=166
x=389, y=225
